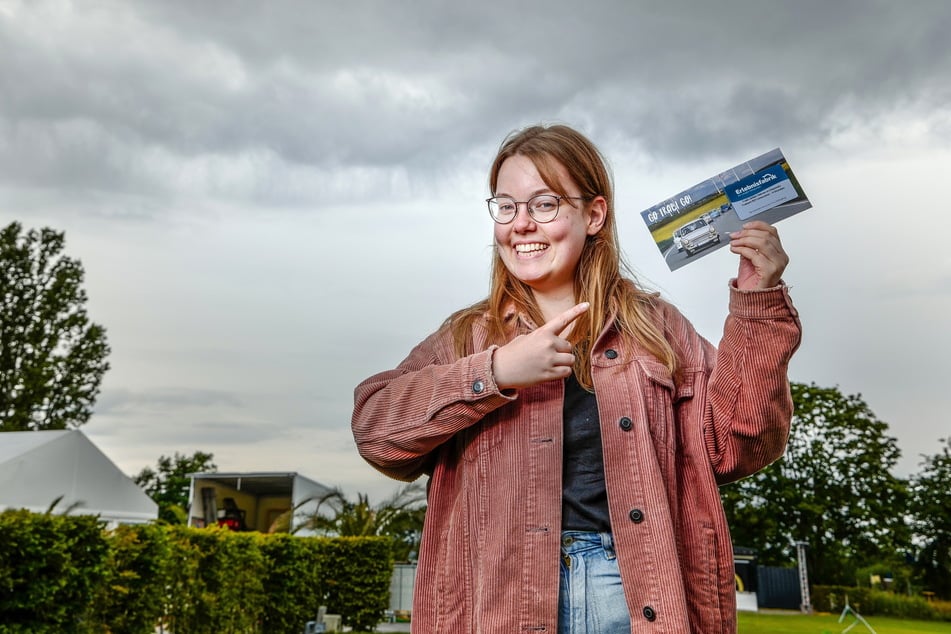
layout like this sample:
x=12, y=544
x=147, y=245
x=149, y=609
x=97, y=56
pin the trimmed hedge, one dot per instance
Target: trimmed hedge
x=293, y=582
x=138, y=566
x=869, y=602
x=355, y=571
x=350, y=575
x=68, y=574
x=51, y=568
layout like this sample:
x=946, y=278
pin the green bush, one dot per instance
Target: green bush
x=355, y=577
x=131, y=599
x=870, y=602
x=183, y=585
x=229, y=595
x=51, y=567
x=292, y=582
x=68, y=574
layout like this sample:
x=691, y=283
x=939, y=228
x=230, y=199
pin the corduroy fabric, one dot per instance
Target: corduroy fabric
x=489, y=560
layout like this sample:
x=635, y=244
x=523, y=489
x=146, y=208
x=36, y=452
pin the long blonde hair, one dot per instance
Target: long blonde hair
x=598, y=277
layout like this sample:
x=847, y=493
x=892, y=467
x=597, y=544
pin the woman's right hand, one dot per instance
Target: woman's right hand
x=542, y=355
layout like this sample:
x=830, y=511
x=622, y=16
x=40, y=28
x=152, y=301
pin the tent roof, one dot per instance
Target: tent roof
x=17, y=443
x=37, y=468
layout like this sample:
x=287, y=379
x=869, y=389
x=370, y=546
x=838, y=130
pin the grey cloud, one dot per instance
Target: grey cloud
x=206, y=434
x=123, y=402
x=218, y=433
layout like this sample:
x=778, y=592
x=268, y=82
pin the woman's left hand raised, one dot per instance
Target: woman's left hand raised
x=762, y=258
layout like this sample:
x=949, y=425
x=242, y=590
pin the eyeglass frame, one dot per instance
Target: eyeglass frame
x=558, y=199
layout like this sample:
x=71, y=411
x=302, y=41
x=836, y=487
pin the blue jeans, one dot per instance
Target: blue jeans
x=591, y=599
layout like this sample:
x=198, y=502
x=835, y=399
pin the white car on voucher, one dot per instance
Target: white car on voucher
x=696, y=235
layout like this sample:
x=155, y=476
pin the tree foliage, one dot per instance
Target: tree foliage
x=930, y=508
x=52, y=358
x=168, y=483
x=833, y=489
x=399, y=516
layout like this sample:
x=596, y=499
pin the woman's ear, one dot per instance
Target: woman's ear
x=597, y=214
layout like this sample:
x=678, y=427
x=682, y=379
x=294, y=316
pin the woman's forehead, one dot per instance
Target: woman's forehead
x=546, y=167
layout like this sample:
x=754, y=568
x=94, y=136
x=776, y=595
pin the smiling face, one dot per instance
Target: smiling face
x=544, y=255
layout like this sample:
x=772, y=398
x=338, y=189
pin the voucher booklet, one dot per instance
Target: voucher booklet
x=699, y=220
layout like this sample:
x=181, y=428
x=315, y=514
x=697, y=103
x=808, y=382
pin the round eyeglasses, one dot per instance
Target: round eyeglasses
x=542, y=208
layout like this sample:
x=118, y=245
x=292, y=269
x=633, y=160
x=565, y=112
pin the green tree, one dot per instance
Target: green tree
x=168, y=484
x=833, y=489
x=931, y=512
x=52, y=358
x=400, y=516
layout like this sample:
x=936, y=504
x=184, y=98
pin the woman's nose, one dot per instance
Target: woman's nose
x=523, y=219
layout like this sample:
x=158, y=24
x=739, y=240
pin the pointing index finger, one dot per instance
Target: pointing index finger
x=559, y=324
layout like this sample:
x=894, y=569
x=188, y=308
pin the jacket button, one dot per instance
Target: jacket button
x=649, y=613
x=478, y=387
x=625, y=423
x=610, y=353
x=637, y=516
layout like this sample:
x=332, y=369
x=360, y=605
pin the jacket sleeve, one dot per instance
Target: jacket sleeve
x=749, y=408
x=402, y=416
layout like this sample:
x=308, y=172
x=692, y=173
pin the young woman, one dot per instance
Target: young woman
x=575, y=427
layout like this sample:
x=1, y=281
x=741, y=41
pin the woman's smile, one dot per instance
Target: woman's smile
x=528, y=249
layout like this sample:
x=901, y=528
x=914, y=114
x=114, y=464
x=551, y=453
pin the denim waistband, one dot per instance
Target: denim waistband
x=580, y=541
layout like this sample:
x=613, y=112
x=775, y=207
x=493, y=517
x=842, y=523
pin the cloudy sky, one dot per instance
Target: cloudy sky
x=274, y=200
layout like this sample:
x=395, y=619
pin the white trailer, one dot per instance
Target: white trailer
x=255, y=501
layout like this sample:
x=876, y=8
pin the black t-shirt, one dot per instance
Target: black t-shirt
x=584, y=499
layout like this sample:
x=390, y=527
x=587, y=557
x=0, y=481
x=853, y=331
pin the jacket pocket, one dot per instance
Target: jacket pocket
x=453, y=591
x=711, y=615
x=659, y=399
x=666, y=400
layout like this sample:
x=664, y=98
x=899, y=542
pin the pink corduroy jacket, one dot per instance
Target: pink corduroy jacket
x=489, y=560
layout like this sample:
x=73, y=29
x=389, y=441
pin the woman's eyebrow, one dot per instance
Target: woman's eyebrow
x=537, y=192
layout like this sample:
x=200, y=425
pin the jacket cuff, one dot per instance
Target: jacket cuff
x=480, y=380
x=764, y=303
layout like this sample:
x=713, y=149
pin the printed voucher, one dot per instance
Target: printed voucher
x=698, y=221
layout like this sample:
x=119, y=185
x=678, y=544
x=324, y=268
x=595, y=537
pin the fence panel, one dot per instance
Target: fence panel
x=778, y=588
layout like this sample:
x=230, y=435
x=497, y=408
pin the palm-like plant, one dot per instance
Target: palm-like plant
x=400, y=516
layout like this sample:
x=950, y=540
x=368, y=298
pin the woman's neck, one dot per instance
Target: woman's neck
x=552, y=304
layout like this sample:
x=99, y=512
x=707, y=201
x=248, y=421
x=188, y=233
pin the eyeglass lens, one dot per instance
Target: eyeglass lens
x=542, y=208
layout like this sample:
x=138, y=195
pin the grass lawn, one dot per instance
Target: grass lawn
x=764, y=622
x=779, y=623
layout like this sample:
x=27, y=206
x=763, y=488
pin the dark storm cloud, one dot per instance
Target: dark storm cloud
x=667, y=77
x=166, y=97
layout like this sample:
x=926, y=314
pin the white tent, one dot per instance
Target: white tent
x=37, y=467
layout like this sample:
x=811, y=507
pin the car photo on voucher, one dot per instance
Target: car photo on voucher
x=696, y=234
x=699, y=220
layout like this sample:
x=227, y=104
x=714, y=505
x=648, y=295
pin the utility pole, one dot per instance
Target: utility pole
x=806, y=605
